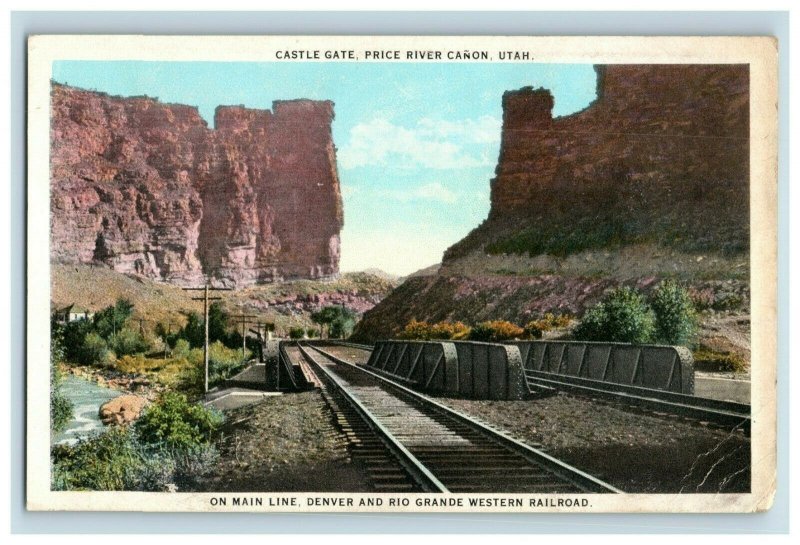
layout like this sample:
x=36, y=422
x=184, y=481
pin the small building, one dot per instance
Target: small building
x=72, y=313
x=79, y=313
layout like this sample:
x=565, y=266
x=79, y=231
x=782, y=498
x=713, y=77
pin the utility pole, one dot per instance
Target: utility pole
x=243, y=318
x=166, y=338
x=205, y=300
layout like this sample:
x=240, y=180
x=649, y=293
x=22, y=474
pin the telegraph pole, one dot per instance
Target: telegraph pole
x=243, y=318
x=205, y=300
x=166, y=338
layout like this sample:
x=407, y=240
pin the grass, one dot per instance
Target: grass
x=710, y=360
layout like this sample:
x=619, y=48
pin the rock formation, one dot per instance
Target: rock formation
x=650, y=180
x=148, y=188
x=661, y=156
x=122, y=410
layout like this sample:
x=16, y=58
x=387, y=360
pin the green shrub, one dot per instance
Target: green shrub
x=117, y=459
x=622, y=316
x=224, y=362
x=61, y=408
x=94, y=350
x=73, y=336
x=675, y=316
x=297, y=332
x=108, y=461
x=311, y=332
x=497, y=330
x=182, y=349
x=175, y=423
x=127, y=342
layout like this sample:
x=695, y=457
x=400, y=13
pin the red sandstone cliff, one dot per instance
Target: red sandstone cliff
x=650, y=180
x=661, y=156
x=148, y=188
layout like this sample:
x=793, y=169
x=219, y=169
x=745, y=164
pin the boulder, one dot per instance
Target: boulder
x=122, y=410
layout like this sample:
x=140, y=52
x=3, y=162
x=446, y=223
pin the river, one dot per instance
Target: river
x=86, y=397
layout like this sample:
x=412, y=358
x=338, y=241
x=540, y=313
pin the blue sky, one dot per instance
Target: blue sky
x=417, y=142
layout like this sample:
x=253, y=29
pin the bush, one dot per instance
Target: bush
x=175, y=423
x=534, y=329
x=449, y=330
x=108, y=461
x=424, y=331
x=415, y=330
x=297, y=332
x=73, y=337
x=192, y=464
x=497, y=330
x=623, y=316
x=127, y=342
x=61, y=408
x=311, y=332
x=675, y=316
x=94, y=350
x=117, y=459
x=224, y=362
x=182, y=349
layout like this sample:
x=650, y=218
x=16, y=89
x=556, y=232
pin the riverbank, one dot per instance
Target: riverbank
x=124, y=383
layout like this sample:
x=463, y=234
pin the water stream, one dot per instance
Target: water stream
x=86, y=397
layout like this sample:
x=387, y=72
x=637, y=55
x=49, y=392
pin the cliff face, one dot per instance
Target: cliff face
x=661, y=156
x=651, y=180
x=147, y=188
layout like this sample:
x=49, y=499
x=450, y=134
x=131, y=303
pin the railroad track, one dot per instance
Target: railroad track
x=721, y=414
x=417, y=444
x=724, y=414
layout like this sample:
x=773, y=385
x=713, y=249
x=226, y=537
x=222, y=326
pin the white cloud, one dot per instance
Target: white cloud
x=433, y=191
x=484, y=130
x=429, y=144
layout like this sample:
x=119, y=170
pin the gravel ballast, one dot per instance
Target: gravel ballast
x=286, y=443
x=630, y=449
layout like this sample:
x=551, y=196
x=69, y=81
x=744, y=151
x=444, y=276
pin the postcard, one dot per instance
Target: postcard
x=401, y=274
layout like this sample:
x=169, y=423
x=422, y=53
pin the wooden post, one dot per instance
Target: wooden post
x=205, y=300
x=205, y=344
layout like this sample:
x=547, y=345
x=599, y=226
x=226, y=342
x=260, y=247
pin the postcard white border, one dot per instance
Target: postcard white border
x=759, y=52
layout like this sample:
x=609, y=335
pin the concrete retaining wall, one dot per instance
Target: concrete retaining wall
x=668, y=368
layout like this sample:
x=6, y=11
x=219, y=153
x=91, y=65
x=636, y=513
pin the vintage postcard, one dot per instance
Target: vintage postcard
x=417, y=274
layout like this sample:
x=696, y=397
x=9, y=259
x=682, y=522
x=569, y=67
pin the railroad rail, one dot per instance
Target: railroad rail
x=726, y=414
x=438, y=448
x=722, y=413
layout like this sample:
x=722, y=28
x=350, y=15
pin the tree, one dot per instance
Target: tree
x=622, y=316
x=342, y=326
x=326, y=316
x=675, y=316
x=111, y=319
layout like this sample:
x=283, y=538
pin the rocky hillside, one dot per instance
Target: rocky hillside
x=148, y=188
x=287, y=304
x=650, y=181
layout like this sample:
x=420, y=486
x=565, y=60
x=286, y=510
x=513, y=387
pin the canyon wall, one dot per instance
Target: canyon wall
x=148, y=188
x=660, y=156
